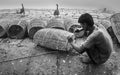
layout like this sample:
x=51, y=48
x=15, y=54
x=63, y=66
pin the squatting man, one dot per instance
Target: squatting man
x=98, y=43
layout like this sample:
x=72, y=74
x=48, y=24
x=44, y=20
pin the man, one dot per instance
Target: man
x=98, y=44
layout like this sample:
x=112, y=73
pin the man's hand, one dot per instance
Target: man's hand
x=70, y=39
x=76, y=47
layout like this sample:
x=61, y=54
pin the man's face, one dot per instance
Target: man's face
x=84, y=26
x=79, y=33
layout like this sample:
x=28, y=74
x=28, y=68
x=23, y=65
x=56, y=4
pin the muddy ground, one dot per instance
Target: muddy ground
x=23, y=57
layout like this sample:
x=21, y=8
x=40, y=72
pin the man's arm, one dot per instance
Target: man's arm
x=90, y=41
x=79, y=48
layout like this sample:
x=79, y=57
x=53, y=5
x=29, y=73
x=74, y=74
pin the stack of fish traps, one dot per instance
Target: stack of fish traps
x=34, y=26
x=17, y=29
x=55, y=23
x=52, y=35
x=51, y=38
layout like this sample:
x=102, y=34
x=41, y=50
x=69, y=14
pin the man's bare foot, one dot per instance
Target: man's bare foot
x=86, y=60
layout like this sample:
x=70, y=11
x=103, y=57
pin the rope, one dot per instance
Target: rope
x=28, y=57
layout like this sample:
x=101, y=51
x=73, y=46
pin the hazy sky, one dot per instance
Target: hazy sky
x=62, y=3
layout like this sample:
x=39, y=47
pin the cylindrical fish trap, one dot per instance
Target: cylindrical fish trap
x=115, y=23
x=54, y=39
x=70, y=25
x=4, y=27
x=67, y=23
x=55, y=23
x=73, y=27
x=34, y=26
x=17, y=29
x=106, y=23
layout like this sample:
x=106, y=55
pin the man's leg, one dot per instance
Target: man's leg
x=86, y=58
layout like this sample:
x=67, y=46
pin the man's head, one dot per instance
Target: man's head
x=86, y=21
